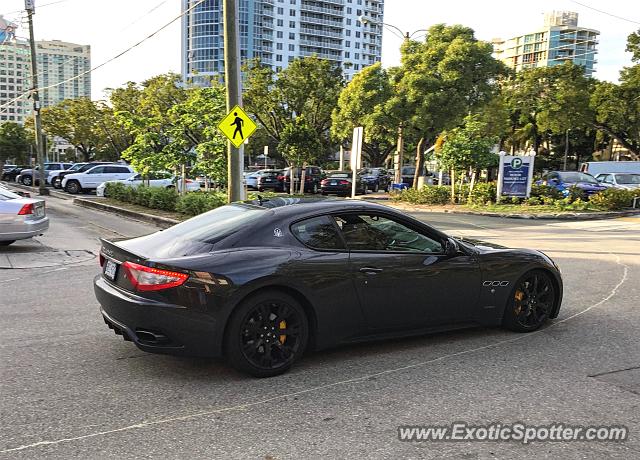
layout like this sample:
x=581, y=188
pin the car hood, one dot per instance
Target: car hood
x=481, y=245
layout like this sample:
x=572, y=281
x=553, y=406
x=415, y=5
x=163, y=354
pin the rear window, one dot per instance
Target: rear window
x=339, y=176
x=197, y=235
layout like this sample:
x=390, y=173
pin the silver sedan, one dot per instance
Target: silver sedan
x=20, y=218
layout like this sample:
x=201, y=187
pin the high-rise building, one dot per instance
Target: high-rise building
x=60, y=62
x=278, y=31
x=15, y=69
x=558, y=41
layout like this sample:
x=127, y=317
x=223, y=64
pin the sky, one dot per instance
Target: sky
x=111, y=26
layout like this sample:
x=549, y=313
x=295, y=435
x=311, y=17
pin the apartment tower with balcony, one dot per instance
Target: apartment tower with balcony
x=278, y=31
x=558, y=41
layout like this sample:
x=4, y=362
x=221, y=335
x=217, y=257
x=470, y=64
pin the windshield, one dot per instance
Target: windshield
x=6, y=194
x=628, y=179
x=75, y=167
x=197, y=235
x=574, y=177
x=408, y=171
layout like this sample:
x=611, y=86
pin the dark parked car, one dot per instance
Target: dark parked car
x=339, y=183
x=408, y=173
x=260, y=284
x=270, y=180
x=10, y=174
x=376, y=179
x=313, y=177
x=564, y=180
x=79, y=168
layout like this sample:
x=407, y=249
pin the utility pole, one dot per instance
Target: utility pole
x=233, y=82
x=42, y=188
x=566, y=149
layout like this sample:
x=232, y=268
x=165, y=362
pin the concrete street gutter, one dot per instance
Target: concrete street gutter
x=164, y=222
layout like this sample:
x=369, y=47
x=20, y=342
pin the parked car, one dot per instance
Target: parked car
x=251, y=179
x=20, y=217
x=564, y=180
x=313, y=177
x=375, y=179
x=620, y=180
x=339, y=183
x=55, y=173
x=289, y=276
x=57, y=180
x=269, y=181
x=10, y=174
x=160, y=180
x=605, y=167
x=92, y=178
x=26, y=176
x=409, y=172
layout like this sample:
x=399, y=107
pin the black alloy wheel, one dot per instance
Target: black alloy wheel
x=531, y=303
x=27, y=180
x=73, y=187
x=267, y=334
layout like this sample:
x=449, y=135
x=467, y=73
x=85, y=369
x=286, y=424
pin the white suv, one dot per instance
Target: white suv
x=90, y=179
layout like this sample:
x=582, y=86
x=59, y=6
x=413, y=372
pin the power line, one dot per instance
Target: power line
x=605, y=12
x=82, y=74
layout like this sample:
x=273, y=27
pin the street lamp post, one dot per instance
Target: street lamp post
x=406, y=37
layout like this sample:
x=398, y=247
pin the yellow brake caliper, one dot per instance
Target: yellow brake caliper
x=283, y=325
x=519, y=296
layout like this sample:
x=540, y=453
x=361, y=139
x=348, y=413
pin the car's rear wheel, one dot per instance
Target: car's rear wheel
x=7, y=243
x=56, y=183
x=27, y=180
x=531, y=302
x=266, y=334
x=73, y=186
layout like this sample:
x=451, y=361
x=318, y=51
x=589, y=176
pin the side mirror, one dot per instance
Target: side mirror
x=451, y=247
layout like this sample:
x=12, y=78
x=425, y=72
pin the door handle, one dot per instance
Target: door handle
x=370, y=270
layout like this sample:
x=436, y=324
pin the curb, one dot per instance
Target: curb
x=164, y=222
x=35, y=190
x=545, y=216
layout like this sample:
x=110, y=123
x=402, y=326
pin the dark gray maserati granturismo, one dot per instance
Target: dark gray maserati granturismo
x=259, y=283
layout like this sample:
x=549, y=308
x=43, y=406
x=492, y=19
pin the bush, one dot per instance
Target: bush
x=533, y=201
x=165, y=199
x=575, y=193
x=152, y=197
x=429, y=194
x=483, y=193
x=196, y=203
x=540, y=191
x=613, y=198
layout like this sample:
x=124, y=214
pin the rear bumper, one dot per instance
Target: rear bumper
x=24, y=230
x=156, y=327
x=335, y=189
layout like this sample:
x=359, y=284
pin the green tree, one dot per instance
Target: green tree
x=363, y=102
x=80, y=122
x=14, y=142
x=308, y=88
x=442, y=80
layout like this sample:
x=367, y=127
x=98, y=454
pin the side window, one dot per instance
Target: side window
x=318, y=233
x=370, y=232
x=608, y=179
x=96, y=170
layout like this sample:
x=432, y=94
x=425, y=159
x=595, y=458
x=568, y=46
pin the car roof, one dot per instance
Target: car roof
x=286, y=207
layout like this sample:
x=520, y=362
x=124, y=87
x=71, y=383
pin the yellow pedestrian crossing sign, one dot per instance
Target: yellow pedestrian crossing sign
x=237, y=126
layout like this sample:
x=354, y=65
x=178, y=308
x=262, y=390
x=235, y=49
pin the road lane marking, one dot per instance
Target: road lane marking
x=248, y=405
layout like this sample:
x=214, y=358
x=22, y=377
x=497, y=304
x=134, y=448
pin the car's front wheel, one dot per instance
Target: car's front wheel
x=73, y=186
x=27, y=180
x=266, y=334
x=531, y=302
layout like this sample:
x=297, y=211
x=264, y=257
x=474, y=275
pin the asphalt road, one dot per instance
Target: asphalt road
x=71, y=389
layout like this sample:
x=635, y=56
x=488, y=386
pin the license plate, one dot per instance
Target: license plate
x=268, y=180
x=333, y=182
x=39, y=211
x=110, y=269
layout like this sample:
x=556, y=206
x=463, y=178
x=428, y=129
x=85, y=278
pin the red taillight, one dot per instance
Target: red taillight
x=26, y=209
x=307, y=178
x=280, y=177
x=344, y=182
x=189, y=181
x=145, y=278
x=324, y=182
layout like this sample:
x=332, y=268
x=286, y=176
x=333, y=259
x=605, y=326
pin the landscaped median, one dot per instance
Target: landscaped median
x=545, y=202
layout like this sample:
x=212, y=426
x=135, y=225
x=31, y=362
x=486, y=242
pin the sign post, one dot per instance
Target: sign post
x=515, y=175
x=356, y=157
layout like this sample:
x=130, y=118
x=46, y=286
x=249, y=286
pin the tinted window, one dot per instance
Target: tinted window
x=197, y=235
x=629, y=179
x=116, y=169
x=574, y=177
x=318, y=233
x=377, y=233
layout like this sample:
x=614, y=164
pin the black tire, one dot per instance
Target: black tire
x=57, y=183
x=73, y=187
x=7, y=243
x=27, y=180
x=254, y=339
x=324, y=193
x=260, y=189
x=314, y=190
x=532, y=300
